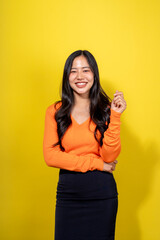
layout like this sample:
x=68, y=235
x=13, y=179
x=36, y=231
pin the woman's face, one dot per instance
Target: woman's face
x=81, y=77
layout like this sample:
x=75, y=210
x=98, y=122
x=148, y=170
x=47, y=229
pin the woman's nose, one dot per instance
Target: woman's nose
x=79, y=75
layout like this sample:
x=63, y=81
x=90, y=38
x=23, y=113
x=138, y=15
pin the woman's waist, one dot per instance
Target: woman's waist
x=90, y=177
x=91, y=184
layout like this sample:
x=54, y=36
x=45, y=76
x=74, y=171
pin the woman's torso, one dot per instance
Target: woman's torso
x=79, y=139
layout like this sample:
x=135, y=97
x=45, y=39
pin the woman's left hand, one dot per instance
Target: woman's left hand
x=118, y=103
x=113, y=164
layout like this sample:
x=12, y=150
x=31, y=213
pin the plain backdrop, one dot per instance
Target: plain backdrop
x=36, y=38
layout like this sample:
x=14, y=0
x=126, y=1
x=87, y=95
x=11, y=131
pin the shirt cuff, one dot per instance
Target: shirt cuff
x=115, y=116
x=100, y=164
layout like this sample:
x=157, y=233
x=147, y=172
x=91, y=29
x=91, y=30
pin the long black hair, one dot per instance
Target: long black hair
x=99, y=101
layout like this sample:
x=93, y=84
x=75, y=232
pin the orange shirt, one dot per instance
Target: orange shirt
x=82, y=151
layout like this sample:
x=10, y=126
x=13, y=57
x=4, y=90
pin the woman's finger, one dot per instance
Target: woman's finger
x=118, y=93
x=113, y=166
x=118, y=96
x=119, y=102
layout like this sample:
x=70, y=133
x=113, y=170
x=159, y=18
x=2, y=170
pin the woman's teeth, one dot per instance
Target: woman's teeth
x=81, y=84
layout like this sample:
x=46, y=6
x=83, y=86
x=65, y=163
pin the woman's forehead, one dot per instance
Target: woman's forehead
x=80, y=62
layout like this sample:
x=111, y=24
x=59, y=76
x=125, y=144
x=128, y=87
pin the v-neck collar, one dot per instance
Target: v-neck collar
x=80, y=123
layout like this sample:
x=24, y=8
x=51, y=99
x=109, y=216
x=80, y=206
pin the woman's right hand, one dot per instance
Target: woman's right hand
x=109, y=167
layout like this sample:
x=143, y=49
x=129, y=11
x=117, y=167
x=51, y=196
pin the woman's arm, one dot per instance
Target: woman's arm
x=111, y=142
x=111, y=147
x=54, y=157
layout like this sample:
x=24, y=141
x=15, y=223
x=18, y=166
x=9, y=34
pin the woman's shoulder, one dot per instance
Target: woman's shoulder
x=54, y=106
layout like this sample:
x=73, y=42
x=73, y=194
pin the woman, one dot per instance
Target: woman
x=82, y=138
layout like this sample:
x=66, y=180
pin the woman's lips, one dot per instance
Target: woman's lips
x=81, y=85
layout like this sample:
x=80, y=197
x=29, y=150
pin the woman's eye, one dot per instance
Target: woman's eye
x=75, y=71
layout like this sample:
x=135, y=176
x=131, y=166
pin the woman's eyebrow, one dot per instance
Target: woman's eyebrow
x=82, y=67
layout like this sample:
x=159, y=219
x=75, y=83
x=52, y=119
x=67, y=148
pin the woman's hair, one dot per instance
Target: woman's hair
x=99, y=102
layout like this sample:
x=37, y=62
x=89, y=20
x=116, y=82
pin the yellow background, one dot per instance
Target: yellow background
x=36, y=39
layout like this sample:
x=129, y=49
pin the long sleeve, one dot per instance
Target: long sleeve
x=54, y=157
x=111, y=147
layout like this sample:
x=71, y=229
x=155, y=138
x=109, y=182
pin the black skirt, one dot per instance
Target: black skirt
x=86, y=205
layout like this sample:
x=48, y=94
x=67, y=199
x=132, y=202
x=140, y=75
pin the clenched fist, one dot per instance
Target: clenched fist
x=118, y=103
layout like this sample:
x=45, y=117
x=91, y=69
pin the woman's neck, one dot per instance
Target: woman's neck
x=81, y=103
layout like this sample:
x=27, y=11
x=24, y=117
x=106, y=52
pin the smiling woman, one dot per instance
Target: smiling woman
x=82, y=138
